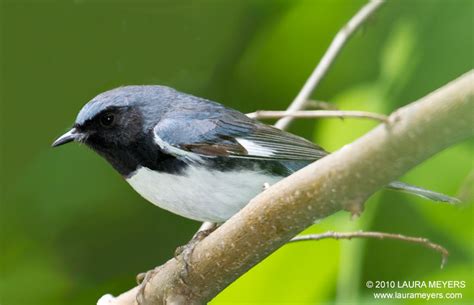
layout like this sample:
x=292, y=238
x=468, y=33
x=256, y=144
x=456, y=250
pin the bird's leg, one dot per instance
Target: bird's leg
x=183, y=253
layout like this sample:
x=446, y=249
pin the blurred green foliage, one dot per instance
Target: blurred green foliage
x=72, y=230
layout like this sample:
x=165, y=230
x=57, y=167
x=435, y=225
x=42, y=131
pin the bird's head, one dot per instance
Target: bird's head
x=118, y=117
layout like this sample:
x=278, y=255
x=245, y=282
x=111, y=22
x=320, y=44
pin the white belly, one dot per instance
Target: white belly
x=200, y=194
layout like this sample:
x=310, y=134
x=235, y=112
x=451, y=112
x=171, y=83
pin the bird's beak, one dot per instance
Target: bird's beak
x=69, y=136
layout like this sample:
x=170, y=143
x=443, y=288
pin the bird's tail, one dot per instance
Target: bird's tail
x=408, y=188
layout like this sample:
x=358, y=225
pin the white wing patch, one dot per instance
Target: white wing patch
x=255, y=149
x=170, y=149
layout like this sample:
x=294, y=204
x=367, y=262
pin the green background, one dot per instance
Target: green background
x=73, y=230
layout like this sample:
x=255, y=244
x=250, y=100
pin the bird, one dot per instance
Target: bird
x=192, y=156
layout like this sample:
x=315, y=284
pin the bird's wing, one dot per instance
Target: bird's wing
x=232, y=135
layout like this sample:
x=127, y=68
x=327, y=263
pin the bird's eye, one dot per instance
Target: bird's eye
x=107, y=120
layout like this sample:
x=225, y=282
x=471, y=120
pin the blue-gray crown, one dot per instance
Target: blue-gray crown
x=125, y=96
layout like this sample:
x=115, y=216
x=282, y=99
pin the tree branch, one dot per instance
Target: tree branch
x=336, y=45
x=270, y=114
x=342, y=180
x=378, y=235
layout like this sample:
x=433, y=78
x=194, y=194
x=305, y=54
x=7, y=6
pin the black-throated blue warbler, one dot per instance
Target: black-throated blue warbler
x=192, y=156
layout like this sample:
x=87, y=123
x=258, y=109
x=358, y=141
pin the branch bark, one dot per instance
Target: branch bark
x=340, y=181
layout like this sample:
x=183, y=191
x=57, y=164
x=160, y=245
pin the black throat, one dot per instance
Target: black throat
x=143, y=152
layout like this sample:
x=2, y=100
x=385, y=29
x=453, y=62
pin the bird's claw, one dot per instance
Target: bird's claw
x=183, y=253
x=142, y=280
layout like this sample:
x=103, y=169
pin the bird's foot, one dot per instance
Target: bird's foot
x=183, y=253
x=142, y=280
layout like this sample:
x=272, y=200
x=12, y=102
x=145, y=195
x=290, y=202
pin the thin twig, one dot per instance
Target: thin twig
x=270, y=114
x=336, y=45
x=379, y=235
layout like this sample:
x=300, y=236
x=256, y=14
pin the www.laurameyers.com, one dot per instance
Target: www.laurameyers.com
x=430, y=294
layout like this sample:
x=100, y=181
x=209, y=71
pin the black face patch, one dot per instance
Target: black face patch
x=127, y=156
x=112, y=127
